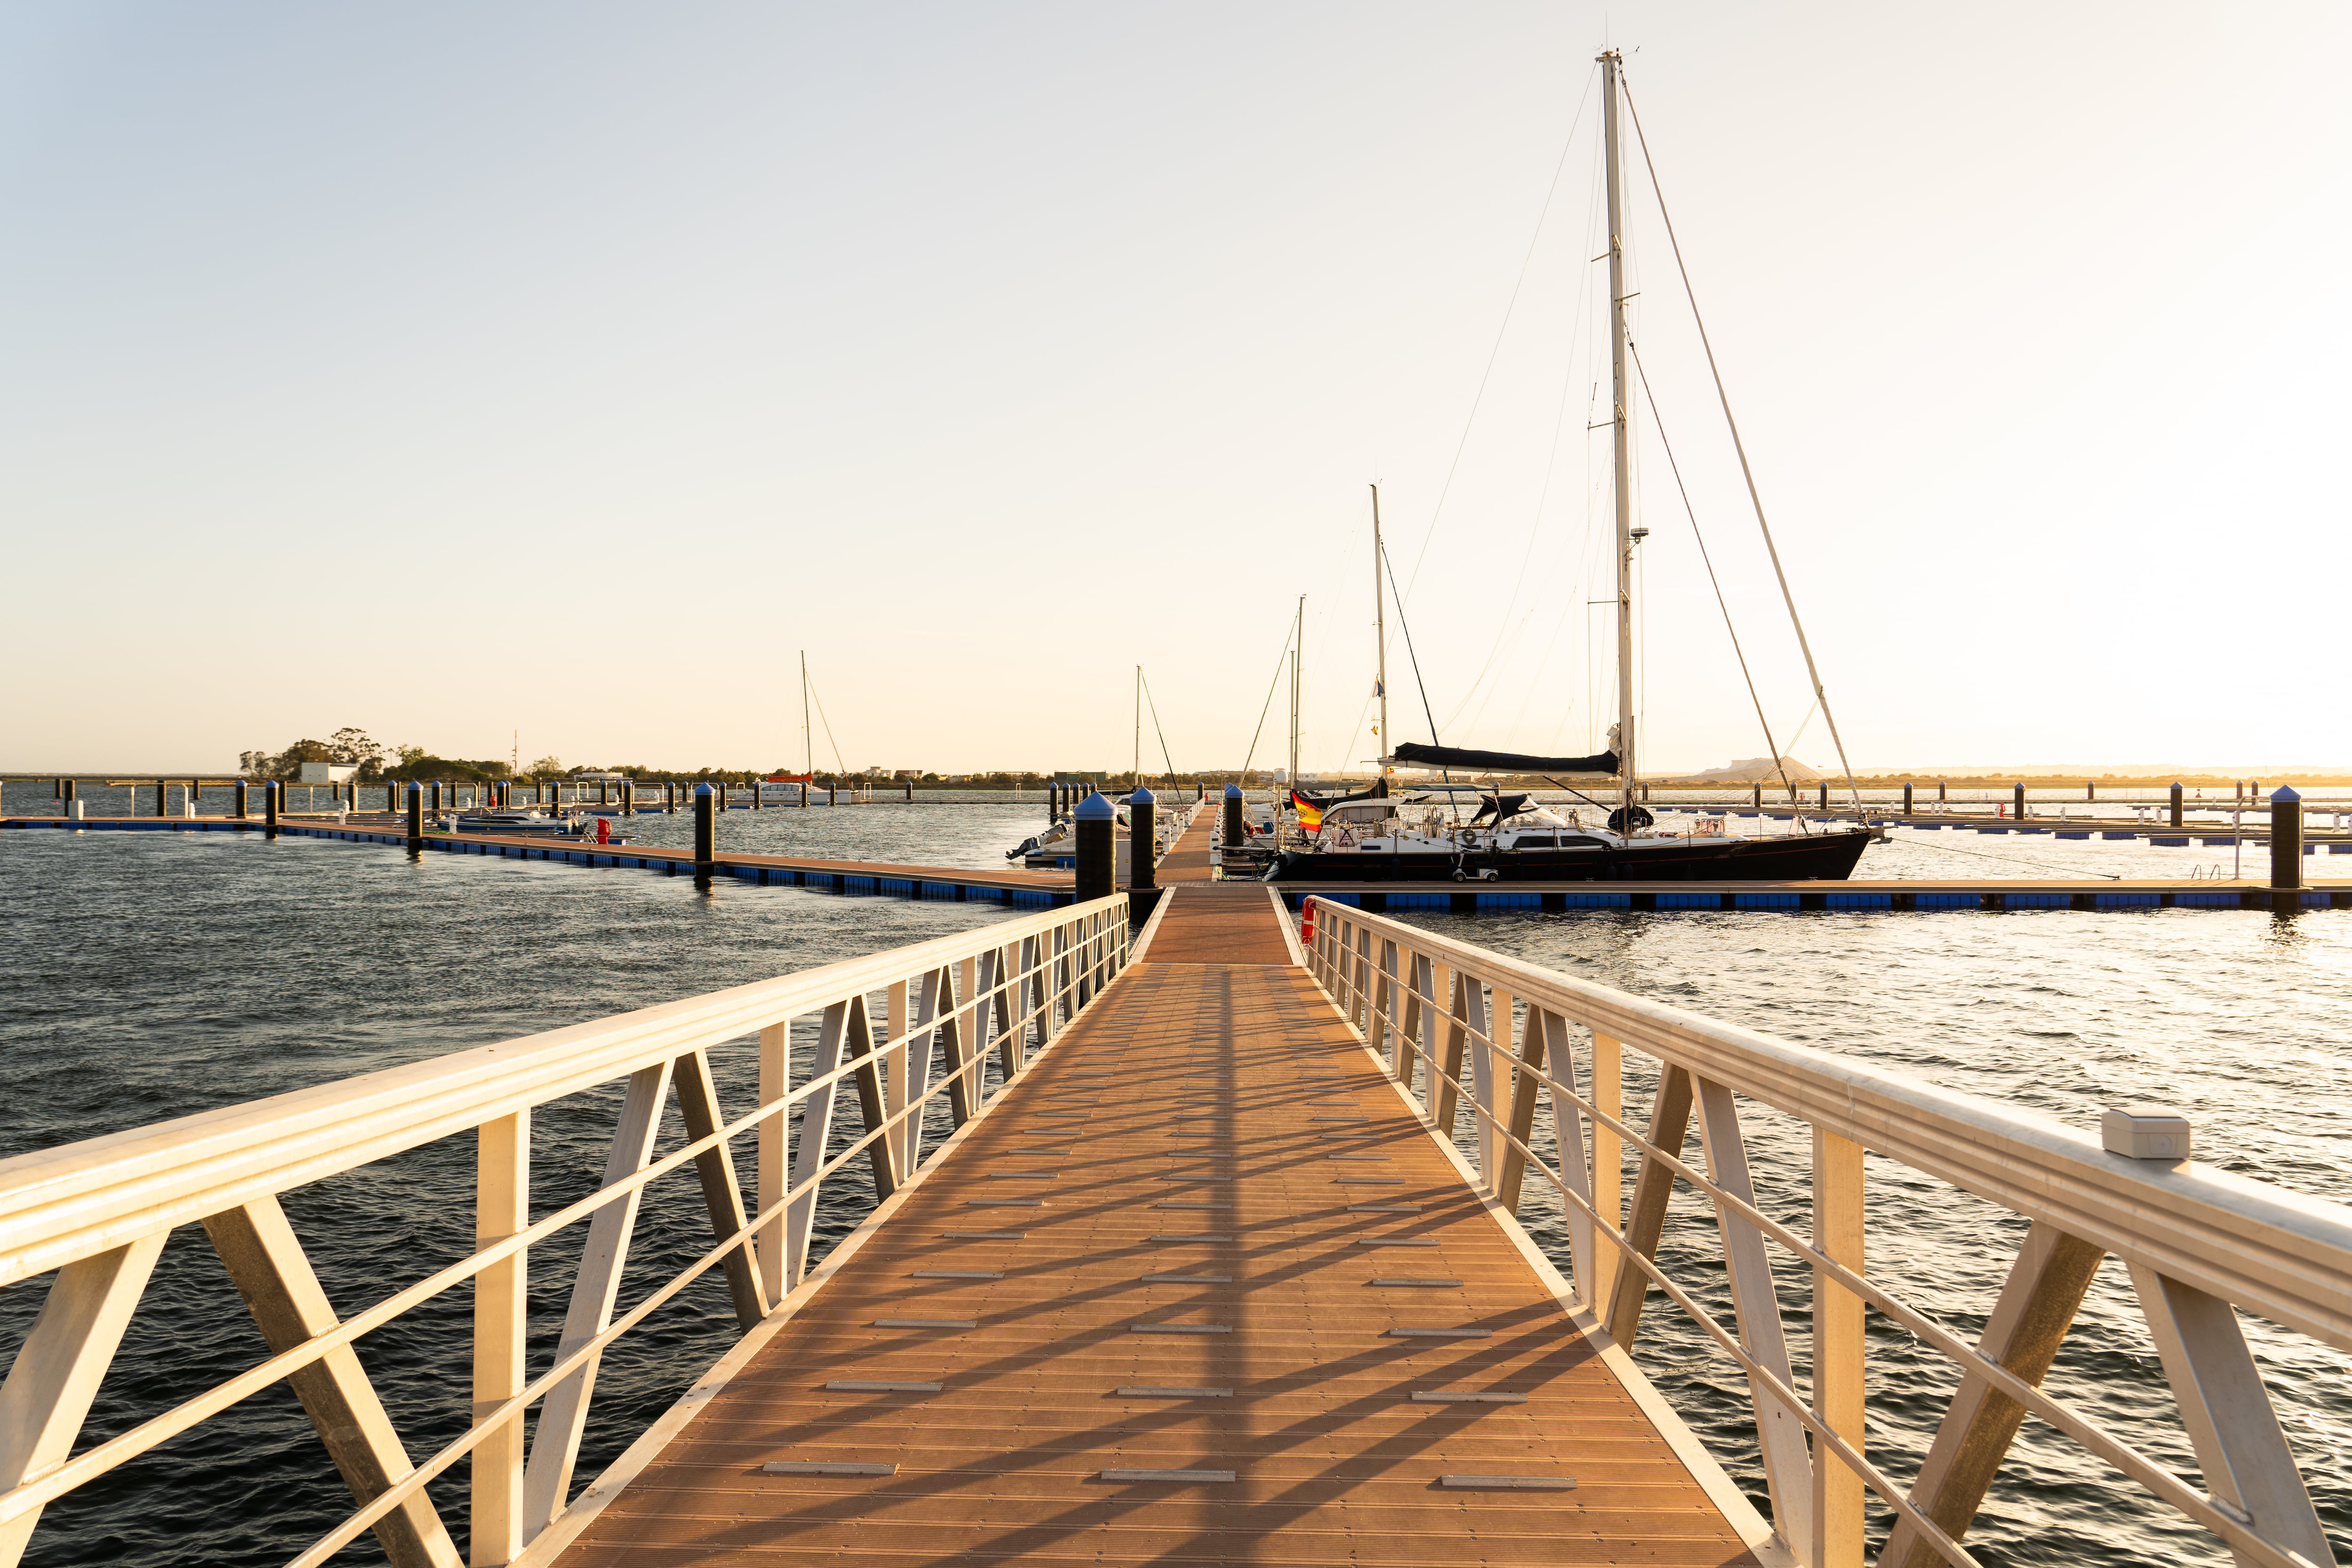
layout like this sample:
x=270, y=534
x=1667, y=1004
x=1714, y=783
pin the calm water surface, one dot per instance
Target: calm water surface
x=153, y=975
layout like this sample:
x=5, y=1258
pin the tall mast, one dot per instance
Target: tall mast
x=1609, y=62
x=1381, y=627
x=1298, y=635
x=1135, y=768
x=808, y=738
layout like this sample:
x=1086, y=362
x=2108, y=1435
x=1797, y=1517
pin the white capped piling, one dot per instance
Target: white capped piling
x=269, y=792
x=1098, y=834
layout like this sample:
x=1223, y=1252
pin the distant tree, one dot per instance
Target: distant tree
x=448, y=768
x=353, y=746
x=547, y=767
x=287, y=765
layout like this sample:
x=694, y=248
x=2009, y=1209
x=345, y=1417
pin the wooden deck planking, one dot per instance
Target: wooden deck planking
x=1188, y=857
x=1218, y=922
x=1189, y=1070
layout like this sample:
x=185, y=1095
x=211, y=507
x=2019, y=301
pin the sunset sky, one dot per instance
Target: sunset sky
x=450, y=371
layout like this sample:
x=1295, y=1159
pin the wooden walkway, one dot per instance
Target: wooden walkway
x=1188, y=857
x=1200, y=1289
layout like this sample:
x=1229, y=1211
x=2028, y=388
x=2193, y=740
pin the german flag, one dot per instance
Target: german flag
x=1310, y=815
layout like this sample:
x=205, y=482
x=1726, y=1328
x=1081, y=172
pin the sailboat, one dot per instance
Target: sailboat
x=1511, y=838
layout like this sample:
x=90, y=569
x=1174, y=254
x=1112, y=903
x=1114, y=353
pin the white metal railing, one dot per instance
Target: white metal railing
x=2201, y=1245
x=95, y=1215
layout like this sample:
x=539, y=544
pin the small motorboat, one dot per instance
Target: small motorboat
x=511, y=821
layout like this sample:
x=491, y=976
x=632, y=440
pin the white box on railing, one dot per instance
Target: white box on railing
x=2145, y=1133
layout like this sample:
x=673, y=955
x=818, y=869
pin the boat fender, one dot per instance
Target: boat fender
x=1307, y=926
x=604, y=829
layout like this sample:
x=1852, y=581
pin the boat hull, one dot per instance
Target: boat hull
x=1811, y=857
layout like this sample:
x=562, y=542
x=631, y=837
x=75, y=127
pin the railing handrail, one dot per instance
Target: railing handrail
x=2199, y=1246
x=61, y=1205
x=2282, y=1255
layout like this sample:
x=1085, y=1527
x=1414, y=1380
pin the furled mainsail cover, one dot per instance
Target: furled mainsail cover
x=1414, y=755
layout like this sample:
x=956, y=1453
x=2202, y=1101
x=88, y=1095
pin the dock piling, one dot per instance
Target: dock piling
x=2286, y=844
x=415, y=816
x=1234, y=833
x=269, y=793
x=1098, y=835
x=704, y=840
x=1826, y=794
x=628, y=797
x=1139, y=829
x=2019, y=792
x=241, y=812
x=2176, y=805
x=1940, y=788
x=1756, y=796
x=1907, y=797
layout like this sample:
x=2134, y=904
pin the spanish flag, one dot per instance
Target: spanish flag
x=1310, y=815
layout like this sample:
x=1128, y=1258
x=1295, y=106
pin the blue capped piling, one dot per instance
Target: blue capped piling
x=1097, y=834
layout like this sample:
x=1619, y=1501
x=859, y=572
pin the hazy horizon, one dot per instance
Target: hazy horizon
x=569, y=370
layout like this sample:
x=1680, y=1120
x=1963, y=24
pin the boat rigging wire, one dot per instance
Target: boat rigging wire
x=1270, y=686
x=1411, y=657
x=1574, y=121
x=1414, y=659
x=1738, y=446
x=1505, y=632
x=1153, y=708
x=1771, y=750
x=839, y=766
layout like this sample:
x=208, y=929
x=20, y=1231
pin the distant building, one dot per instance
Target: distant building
x=329, y=772
x=584, y=777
